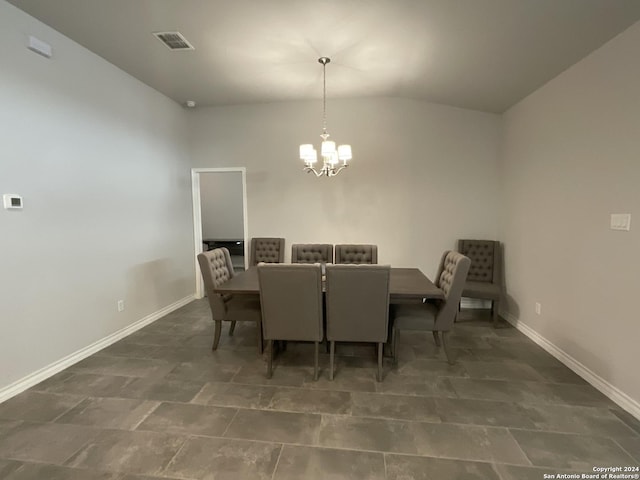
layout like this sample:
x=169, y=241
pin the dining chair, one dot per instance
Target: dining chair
x=291, y=299
x=268, y=250
x=485, y=273
x=311, y=253
x=434, y=317
x=357, y=302
x=216, y=268
x=358, y=254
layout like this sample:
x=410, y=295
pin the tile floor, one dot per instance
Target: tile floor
x=161, y=404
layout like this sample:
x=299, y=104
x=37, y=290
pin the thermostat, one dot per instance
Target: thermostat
x=12, y=201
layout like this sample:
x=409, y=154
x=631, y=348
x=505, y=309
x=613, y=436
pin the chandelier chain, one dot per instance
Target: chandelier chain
x=324, y=97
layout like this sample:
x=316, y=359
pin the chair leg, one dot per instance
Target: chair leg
x=495, y=306
x=260, y=340
x=270, y=361
x=216, y=334
x=436, y=337
x=315, y=363
x=448, y=353
x=232, y=327
x=380, y=361
x=332, y=352
x=394, y=345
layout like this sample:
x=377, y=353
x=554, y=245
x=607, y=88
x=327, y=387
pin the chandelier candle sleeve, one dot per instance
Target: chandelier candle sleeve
x=331, y=156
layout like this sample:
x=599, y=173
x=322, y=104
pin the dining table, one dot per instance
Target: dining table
x=406, y=285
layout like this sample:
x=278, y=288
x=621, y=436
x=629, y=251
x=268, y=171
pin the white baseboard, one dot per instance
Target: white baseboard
x=39, y=375
x=614, y=393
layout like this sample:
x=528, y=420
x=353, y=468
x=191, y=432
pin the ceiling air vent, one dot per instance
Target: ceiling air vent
x=174, y=40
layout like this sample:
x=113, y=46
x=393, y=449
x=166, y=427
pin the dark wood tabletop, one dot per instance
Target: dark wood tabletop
x=405, y=284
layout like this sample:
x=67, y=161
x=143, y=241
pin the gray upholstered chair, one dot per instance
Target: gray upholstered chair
x=358, y=254
x=485, y=274
x=291, y=299
x=311, y=253
x=357, y=306
x=436, y=318
x=268, y=250
x=216, y=268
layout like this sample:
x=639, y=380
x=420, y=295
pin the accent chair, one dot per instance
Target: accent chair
x=432, y=317
x=216, y=268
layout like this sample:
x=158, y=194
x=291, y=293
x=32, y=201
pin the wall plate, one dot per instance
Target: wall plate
x=11, y=200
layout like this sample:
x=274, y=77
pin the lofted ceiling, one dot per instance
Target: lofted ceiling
x=478, y=54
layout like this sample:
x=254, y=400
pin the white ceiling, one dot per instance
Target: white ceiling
x=478, y=54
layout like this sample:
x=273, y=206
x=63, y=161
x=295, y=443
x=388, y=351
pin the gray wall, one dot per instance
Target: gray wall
x=101, y=163
x=571, y=158
x=221, y=205
x=422, y=175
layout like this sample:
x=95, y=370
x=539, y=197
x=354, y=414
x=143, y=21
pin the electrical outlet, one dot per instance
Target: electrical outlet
x=538, y=308
x=121, y=305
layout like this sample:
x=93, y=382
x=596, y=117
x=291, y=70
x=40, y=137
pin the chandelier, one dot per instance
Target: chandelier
x=331, y=156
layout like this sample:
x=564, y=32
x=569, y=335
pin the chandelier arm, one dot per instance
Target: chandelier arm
x=313, y=170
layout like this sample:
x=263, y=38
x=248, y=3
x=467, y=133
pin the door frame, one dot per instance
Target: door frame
x=197, y=217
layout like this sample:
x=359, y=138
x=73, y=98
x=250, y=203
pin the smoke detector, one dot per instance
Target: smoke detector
x=174, y=40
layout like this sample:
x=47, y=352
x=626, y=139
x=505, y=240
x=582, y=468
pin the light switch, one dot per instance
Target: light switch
x=621, y=221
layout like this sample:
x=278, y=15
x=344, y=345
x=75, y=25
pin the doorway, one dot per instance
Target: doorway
x=219, y=213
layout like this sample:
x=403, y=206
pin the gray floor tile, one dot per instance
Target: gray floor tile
x=424, y=385
x=404, y=467
x=235, y=395
x=628, y=419
x=32, y=471
x=189, y=419
x=467, y=442
x=38, y=406
x=400, y=407
x=89, y=384
x=118, y=413
x=224, y=459
x=7, y=426
x=563, y=450
x=123, y=366
x=515, y=472
x=506, y=391
x=125, y=349
x=367, y=434
x=631, y=445
x=482, y=412
x=505, y=370
x=310, y=401
x=275, y=426
x=559, y=374
x=420, y=366
x=203, y=371
x=163, y=389
x=345, y=379
x=576, y=419
x=579, y=395
x=282, y=376
x=444, y=423
x=7, y=467
x=147, y=337
x=44, y=442
x=313, y=463
x=131, y=452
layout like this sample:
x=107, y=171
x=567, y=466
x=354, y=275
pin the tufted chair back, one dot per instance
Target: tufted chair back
x=312, y=253
x=216, y=268
x=484, y=255
x=451, y=277
x=357, y=254
x=267, y=250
